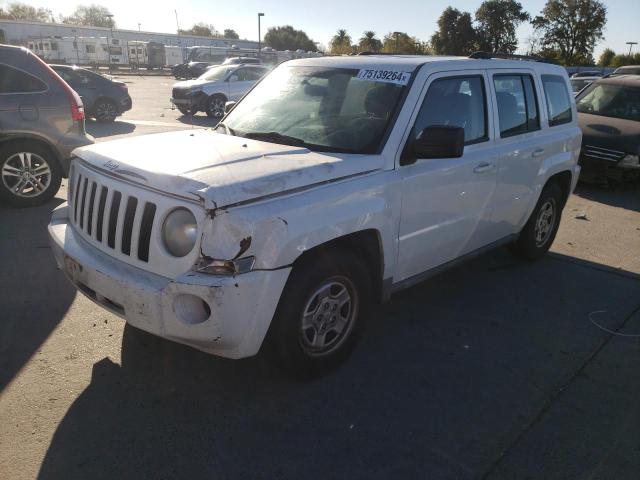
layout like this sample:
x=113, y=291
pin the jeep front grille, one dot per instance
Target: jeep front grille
x=127, y=222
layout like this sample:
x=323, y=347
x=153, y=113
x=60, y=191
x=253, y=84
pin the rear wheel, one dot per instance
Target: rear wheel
x=215, y=106
x=321, y=314
x=30, y=174
x=538, y=234
x=105, y=110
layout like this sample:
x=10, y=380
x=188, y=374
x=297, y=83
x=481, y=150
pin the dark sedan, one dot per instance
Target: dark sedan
x=103, y=98
x=609, y=116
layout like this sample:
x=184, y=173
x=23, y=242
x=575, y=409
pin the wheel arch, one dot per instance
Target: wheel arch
x=367, y=244
x=563, y=180
x=40, y=141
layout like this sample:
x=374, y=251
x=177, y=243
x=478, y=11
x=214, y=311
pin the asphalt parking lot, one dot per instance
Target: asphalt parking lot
x=496, y=369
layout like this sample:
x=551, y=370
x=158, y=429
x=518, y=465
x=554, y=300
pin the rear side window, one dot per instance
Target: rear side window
x=17, y=81
x=517, y=104
x=558, y=100
x=458, y=102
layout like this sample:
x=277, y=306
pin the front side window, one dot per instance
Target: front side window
x=459, y=102
x=321, y=108
x=16, y=81
x=558, y=100
x=608, y=100
x=517, y=106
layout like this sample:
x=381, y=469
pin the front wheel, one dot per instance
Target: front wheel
x=321, y=314
x=30, y=174
x=215, y=106
x=538, y=234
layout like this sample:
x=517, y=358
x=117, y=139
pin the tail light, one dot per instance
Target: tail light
x=77, y=109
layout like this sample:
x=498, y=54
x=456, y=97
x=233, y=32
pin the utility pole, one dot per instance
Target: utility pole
x=259, y=35
x=139, y=26
x=395, y=49
x=631, y=44
x=177, y=24
x=110, y=17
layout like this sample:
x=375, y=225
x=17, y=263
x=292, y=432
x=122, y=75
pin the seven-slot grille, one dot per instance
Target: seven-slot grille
x=180, y=93
x=118, y=222
x=602, y=153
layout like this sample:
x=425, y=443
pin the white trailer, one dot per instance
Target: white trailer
x=92, y=51
x=173, y=55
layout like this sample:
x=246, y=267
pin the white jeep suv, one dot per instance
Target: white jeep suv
x=333, y=184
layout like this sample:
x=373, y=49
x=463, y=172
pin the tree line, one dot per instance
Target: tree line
x=565, y=31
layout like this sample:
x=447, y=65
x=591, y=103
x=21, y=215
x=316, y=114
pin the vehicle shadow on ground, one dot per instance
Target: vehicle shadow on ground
x=625, y=195
x=34, y=299
x=448, y=374
x=198, y=120
x=99, y=130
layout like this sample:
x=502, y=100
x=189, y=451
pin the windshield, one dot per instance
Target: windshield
x=578, y=84
x=328, y=109
x=214, y=73
x=617, y=101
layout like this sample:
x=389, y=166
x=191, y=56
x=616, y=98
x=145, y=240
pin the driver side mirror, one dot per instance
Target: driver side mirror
x=228, y=106
x=436, y=141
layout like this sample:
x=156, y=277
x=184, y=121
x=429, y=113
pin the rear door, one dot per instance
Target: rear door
x=242, y=80
x=446, y=202
x=21, y=97
x=520, y=150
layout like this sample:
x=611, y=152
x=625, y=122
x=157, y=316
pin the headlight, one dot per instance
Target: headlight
x=195, y=90
x=179, y=232
x=630, y=161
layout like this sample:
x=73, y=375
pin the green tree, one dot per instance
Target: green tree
x=288, y=38
x=340, y=43
x=369, y=42
x=401, y=43
x=22, y=11
x=497, y=21
x=572, y=28
x=92, y=16
x=622, y=60
x=230, y=33
x=455, y=34
x=201, y=29
x=606, y=57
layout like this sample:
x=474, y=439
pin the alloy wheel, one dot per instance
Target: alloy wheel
x=26, y=174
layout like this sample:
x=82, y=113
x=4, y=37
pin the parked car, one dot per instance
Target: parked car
x=609, y=115
x=242, y=60
x=41, y=122
x=578, y=83
x=332, y=184
x=209, y=92
x=103, y=98
x=587, y=73
x=627, y=70
x=191, y=69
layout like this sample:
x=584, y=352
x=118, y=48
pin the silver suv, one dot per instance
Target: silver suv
x=41, y=122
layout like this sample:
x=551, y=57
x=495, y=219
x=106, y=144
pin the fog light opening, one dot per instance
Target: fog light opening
x=191, y=309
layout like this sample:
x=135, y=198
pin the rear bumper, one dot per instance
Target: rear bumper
x=238, y=309
x=125, y=105
x=68, y=144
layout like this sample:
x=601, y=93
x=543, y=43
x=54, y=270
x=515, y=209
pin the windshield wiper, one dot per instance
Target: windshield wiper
x=276, y=137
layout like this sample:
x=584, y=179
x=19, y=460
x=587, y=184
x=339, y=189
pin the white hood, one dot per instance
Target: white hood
x=221, y=169
x=196, y=82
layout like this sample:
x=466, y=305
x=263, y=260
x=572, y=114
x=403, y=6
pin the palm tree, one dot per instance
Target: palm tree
x=369, y=43
x=341, y=42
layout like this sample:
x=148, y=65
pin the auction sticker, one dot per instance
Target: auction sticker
x=387, y=76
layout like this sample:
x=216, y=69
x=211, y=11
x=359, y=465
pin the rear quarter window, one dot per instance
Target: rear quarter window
x=13, y=80
x=558, y=99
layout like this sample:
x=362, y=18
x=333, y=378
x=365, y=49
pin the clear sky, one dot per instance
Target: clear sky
x=321, y=19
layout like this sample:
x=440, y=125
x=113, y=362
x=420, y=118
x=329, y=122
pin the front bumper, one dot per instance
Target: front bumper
x=241, y=307
x=125, y=105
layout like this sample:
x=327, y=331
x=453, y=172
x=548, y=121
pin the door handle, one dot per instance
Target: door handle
x=537, y=152
x=483, y=167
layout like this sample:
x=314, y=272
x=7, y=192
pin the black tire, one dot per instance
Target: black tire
x=215, y=106
x=290, y=344
x=540, y=230
x=186, y=111
x=105, y=110
x=41, y=168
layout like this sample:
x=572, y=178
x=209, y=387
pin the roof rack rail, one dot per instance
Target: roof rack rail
x=508, y=56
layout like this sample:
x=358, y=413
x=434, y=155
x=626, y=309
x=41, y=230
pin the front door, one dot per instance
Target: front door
x=446, y=202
